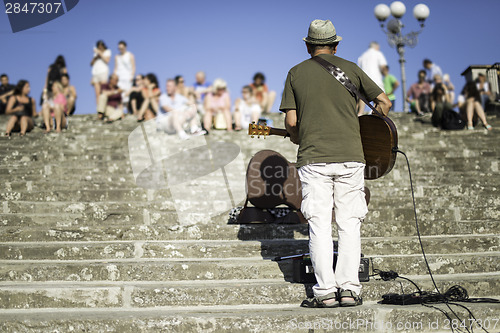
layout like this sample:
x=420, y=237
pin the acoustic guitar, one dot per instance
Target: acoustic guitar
x=379, y=137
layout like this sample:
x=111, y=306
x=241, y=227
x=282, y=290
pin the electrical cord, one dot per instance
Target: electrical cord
x=452, y=295
x=422, y=246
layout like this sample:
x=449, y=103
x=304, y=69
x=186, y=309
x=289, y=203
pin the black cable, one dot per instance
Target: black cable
x=416, y=221
x=453, y=294
x=444, y=298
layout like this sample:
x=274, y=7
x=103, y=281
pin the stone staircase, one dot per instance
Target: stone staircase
x=84, y=249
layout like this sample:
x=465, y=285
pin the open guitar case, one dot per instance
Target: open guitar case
x=271, y=182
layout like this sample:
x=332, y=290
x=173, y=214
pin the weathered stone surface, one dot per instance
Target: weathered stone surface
x=83, y=248
x=274, y=318
x=270, y=248
x=142, y=294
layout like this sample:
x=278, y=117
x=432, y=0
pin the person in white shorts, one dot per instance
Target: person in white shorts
x=100, y=68
x=246, y=109
x=176, y=113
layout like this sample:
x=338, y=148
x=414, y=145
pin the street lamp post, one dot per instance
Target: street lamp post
x=395, y=36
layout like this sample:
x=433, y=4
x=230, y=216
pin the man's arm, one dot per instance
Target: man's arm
x=291, y=125
x=395, y=85
x=4, y=96
x=409, y=95
x=382, y=104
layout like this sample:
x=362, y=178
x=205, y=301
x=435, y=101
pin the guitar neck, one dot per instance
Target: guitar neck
x=278, y=131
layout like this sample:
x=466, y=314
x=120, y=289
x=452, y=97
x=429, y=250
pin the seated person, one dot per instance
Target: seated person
x=151, y=94
x=183, y=90
x=218, y=101
x=450, y=87
x=135, y=95
x=110, y=100
x=264, y=97
x=56, y=107
x=246, y=109
x=6, y=90
x=440, y=101
x=419, y=94
x=200, y=89
x=176, y=112
x=69, y=92
x=469, y=104
x=21, y=108
x=484, y=90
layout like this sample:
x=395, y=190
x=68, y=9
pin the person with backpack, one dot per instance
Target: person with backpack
x=439, y=103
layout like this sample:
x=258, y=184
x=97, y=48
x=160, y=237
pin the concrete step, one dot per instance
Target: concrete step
x=70, y=294
x=18, y=169
x=41, y=179
x=370, y=317
x=425, y=190
x=77, y=234
x=225, y=268
x=219, y=229
x=378, y=201
x=168, y=216
x=68, y=156
x=94, y=194
x=207, y=249
x=71, y=150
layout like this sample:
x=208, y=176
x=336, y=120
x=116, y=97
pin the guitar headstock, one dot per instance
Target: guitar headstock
x=259, y=129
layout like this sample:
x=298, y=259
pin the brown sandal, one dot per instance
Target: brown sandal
x=319, y=301
x=349, y=298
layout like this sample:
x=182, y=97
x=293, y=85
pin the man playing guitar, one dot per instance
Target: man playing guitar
x=321, y=118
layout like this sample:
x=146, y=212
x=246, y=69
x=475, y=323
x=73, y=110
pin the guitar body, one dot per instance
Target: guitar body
x=380, y=139
x=378, y=136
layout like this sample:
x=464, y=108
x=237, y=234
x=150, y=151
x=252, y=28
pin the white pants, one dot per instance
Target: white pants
x=110, y=112
x=125, y=84
x=165, y=123
x=340, y=186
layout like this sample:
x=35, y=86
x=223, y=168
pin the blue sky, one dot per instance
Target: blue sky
x=234, y=39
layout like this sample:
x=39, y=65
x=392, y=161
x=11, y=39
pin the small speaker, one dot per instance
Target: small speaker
x=303, y=271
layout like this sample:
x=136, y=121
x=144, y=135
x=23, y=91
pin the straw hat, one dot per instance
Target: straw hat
x=219, y=84
x=322, y=33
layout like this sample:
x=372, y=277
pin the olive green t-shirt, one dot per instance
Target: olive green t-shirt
x=326, y=112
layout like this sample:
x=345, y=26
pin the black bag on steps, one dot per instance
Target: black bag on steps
x=451, y=120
